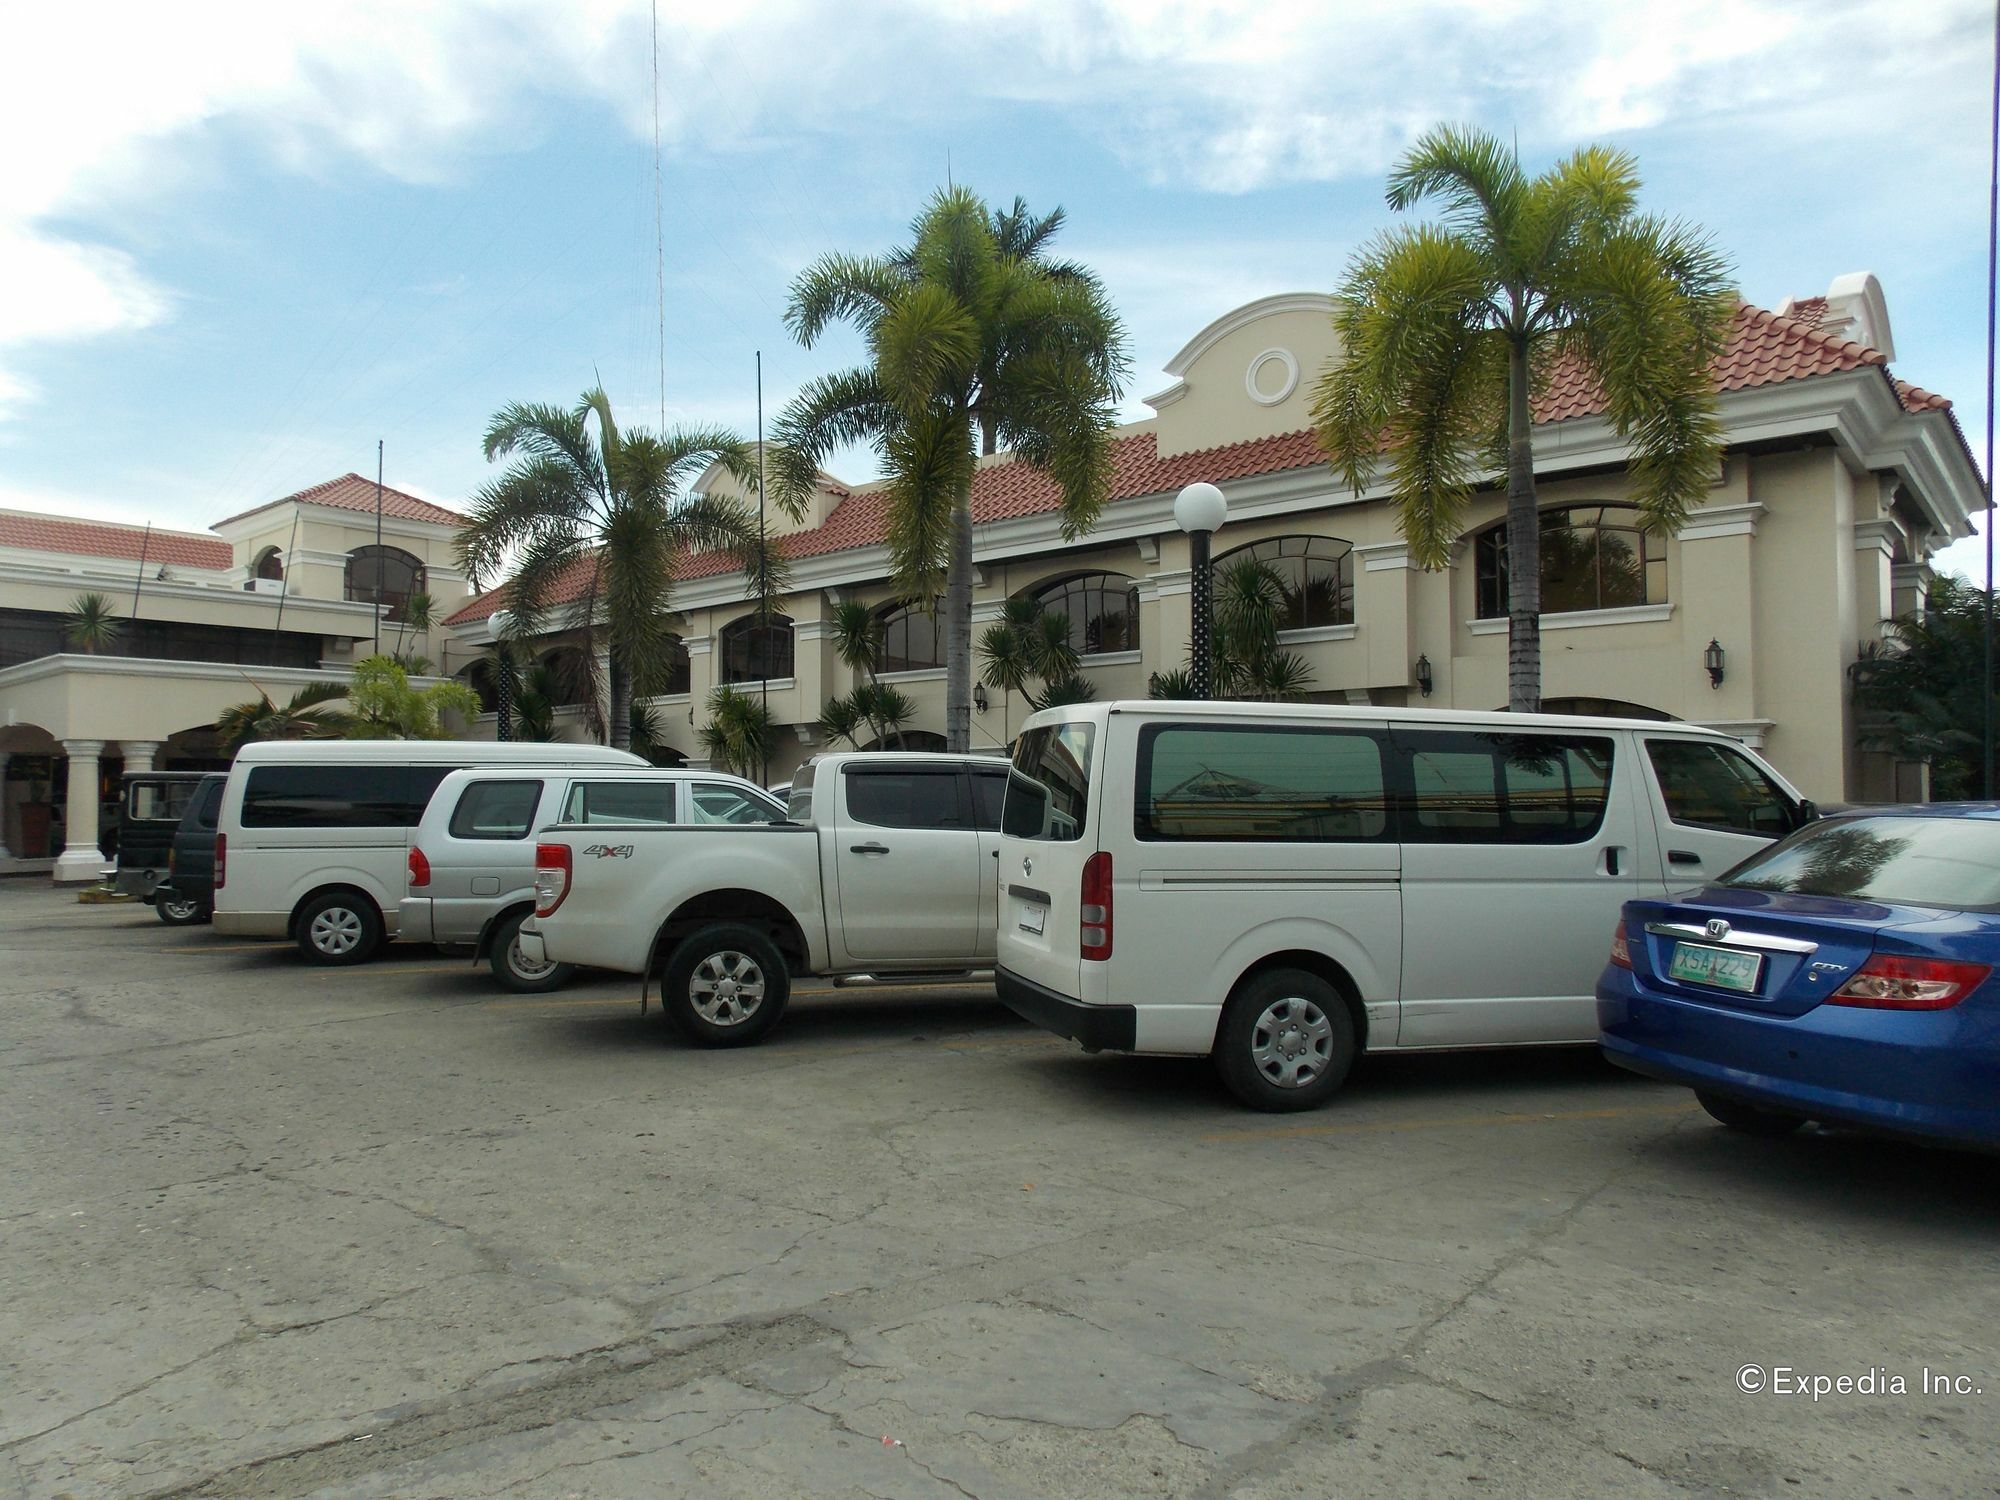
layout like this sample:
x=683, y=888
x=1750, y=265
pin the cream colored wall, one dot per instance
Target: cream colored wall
x=200, y=606
x=97, y=699
x=1216, y=408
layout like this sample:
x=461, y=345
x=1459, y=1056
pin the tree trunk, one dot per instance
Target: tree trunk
x=619, y=730
x=1524, y=547
x=958, y=631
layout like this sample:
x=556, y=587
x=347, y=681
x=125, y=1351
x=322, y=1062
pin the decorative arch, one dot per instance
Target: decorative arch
x=1594, y=556
x=269, y=566
x=385, y=576
x=1316, y=574
x=1102, y=609
x=755, y=649
x=909, y=635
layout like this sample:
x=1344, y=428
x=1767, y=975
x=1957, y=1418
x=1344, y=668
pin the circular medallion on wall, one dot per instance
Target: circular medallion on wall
x=1272, y=376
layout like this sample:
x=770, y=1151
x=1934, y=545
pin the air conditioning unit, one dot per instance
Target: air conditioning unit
x=266, y=585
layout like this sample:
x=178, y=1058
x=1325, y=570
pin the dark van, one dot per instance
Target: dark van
x=187, y=894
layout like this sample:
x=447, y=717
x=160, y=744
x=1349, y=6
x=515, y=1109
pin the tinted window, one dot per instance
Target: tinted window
x=338, y=796
x=1949, y=862
x=209, y=809
x=158, y=801
x=496, y=810
x=799, y=806
x=1712, y=786
x=1048, y=791
x=620, y=802
x=715, y=802
x=989, y=791
x=1492, y=788
x=1204, y=782
x=904, y=798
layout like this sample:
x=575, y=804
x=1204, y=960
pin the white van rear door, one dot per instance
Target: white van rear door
x=1047, y=833
x=1518, y=851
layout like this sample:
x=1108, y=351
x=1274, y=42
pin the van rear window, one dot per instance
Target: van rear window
x=352, y=796
x=1048, y=790
x=1268, y=783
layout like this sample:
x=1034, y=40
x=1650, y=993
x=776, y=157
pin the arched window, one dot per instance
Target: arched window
x=1593, y=557
x=384, y=575
x=270, y=565
x=1315, y=572
x=676, y=678
x=912, y=638
x=754, y=651
x=1103, y=611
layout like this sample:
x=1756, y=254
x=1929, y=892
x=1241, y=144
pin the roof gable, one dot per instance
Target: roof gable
x=352, y=492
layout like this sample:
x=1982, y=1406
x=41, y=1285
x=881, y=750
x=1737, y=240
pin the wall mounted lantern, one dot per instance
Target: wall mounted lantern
x=1712, y=659
x=1424, y=675
x=979, y=697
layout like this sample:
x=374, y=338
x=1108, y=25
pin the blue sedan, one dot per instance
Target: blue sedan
x=1844, y=974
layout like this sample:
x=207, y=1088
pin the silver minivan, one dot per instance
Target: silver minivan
x=472, y=861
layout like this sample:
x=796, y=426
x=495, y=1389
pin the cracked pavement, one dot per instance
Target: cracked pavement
x=272, y=1230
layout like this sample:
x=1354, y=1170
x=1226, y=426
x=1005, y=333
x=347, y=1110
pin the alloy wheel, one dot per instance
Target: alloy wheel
x=726, y=988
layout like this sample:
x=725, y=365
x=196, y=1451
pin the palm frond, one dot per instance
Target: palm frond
x=829, y=413
x=841, y=289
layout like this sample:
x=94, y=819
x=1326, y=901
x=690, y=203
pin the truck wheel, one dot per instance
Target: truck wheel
x=341, y=927
x=1286, y=1041
x=514, y=969
x=176, y=911
x=725, y=986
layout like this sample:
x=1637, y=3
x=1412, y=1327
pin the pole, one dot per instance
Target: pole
x=659, y=219
x=1201, y=648
x=1992, y=266
x=381, y=561
x=763, y=575
x=145, y=542
x=285, y=583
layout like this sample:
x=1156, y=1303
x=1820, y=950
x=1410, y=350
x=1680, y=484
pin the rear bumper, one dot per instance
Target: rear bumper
x=264, y=924
x=1100, y=1028
x=1930, y=1074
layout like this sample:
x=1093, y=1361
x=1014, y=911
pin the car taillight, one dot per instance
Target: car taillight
x=552, y=868
x=1094, y=911
x=420, y=868
x=221, y=859
x=1621, y=951
x=1892, y=982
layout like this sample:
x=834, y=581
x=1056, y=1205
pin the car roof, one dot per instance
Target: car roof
x=421, y=752
x=1230, y=708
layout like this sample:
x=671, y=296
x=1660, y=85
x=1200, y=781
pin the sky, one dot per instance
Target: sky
x=240, y=244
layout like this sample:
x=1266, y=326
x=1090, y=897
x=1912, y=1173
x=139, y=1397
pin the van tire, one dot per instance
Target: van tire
x=1285, y=1023
x=339, y=928
x=503, y=954
x=719, y=970
x=178, y=911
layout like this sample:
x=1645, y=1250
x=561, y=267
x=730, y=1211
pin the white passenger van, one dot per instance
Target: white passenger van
x=314, y=835
x=1283, y=886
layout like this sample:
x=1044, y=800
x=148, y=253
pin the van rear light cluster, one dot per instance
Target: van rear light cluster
x=552, y=872
x=420, y=869
x=1621, y=951
x=221, y=859
x=1891, y=982
x=1093, y=913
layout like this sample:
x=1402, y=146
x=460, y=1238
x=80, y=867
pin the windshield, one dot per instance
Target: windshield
x=1948, y=862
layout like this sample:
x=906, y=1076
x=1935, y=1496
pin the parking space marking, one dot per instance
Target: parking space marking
x=848, y=989
x=275, y=945
x=1382, y=1127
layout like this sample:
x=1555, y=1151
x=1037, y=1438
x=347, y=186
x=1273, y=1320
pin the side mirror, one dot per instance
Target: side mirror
x=1806, y=812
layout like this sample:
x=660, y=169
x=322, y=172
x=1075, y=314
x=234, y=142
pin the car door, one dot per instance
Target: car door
x=989, y=792
x=906, y=864
x=1714, y=805
x=1518, y=852
x=484, y=855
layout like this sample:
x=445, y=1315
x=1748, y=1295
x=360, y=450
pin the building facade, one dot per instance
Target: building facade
x=289, y=593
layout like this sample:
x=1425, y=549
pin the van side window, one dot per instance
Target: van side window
x=904, y=799
x=1277, y=783
x=1483, y=787
x=496, y=810
x=1048, y=790
x=1712, y=786
x=620, y=802
x=352, y=796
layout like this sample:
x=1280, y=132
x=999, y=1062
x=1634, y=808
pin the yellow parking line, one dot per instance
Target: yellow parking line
x=193, y=949
x=1458, y=1122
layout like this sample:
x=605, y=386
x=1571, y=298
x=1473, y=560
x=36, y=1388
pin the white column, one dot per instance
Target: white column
x=139, y=754
x=80, y=860
x=5, y=756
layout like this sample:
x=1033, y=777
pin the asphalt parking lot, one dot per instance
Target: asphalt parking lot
x=275, y=1230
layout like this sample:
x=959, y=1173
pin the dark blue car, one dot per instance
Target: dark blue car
x=1844, y=974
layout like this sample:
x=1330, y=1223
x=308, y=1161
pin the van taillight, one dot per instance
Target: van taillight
x=420, y=869
x=1094, y=911
x=552, y=870
x=221, y=859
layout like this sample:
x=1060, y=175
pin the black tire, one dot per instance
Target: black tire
x=1748, y=1118
x=177, y=911
x=503, y=955
x=1285, y=1022
x=701, y=975
x=339, y=928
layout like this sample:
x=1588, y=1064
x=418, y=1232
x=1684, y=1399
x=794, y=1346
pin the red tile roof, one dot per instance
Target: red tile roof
x=185, y=549
x=352, y=492
x=1763, y=348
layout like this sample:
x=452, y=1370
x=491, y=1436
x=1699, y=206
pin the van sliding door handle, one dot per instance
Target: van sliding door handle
x=1611, y=860
x=867, y=848
x=1683, y=857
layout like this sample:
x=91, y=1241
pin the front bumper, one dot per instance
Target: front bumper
x=1100, y=1028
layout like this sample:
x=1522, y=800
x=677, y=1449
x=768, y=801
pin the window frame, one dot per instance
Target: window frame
x=1491, y=597
x=364, y=591
x=1505, y=833
x=961, y=794
x=1784, y=799
x=471, y=788
x=1343, y=562
x=745, y=629
x=1068, y=583
x=901, y=612
x=1145, y=831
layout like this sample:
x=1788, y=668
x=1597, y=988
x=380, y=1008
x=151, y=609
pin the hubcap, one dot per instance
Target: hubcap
x=180, y=909
x=726, y=988
x=336, y=930
x=1292, y=1043
x=524, y=966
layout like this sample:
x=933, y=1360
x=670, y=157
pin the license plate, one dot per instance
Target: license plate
x=1724, y=968
x=1032, y=918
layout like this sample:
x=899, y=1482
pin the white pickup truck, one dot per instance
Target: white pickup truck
x=889, y=868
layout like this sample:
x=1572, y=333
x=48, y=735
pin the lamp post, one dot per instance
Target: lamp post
x=1200, y=510
x=503, y=677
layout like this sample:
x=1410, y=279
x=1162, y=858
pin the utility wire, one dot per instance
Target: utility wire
x=1992, y=267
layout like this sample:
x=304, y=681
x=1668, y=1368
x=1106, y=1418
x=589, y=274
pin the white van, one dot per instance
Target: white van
x=1283, y=886
x=314, y=834
x=472, y=858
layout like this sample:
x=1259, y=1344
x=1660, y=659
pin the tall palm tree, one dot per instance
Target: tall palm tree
x=583, y=498
x=974, y=340
x=92, y=625
x=303, y=716
x=1446, y=330
x=738, y=731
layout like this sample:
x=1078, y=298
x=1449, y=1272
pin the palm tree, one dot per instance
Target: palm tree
x=418, y=615
x=1248, y=662
x=1028, y=643
x=303, y=716
x=737, y=731
x=1447, y=329
x=583, y=498
x=91, y=626
x=975, y=340
x=383, y=705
